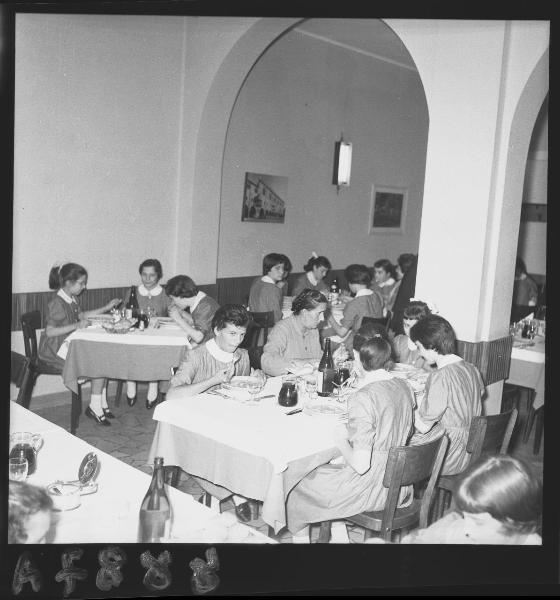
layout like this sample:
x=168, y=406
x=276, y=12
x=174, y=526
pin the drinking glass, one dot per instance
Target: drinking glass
x=18, y=469
x=532, y=330
x=255, y=387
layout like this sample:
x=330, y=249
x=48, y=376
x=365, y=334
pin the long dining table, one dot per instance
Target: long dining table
x=148, y=355
x=110, y=515
x=527, y=367
x=256, y=450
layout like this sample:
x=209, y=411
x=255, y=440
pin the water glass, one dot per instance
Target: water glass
x=18, y=469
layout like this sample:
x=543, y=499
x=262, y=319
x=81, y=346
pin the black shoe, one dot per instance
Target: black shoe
x=243, y=512
x=99, y=420
x=160, y=398
x=107, y=412
x=131, y=401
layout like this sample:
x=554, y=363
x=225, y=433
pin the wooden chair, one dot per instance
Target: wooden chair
x=490, y=435
x=30, y=322
x=406, y=465
x=265, y=320
x=19, y=374
x=534, y=417
x=379, y=320
x=256, y=336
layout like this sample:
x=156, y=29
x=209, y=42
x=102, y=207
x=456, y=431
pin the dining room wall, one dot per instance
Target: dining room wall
x=285, y=122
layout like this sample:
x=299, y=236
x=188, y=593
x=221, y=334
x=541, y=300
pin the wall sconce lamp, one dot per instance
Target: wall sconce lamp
x=342, y=163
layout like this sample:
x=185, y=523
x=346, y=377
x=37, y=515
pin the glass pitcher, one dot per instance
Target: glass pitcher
x=26, y=445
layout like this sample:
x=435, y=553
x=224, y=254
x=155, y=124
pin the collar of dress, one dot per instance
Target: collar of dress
x=364, y=292
x=156, y=291
x=66, y=297
x=267, y=279
x=389, y=281
x=371, y=376
x=197, y=300
x=311, y=278
x=218, y=353
x=448, y=359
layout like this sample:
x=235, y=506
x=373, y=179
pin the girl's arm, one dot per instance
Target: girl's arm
x=359, y=459
x=192, y=389
x=420, y=425
x=97, y=311
x=188, y=327
x=52, y=331
x=340, y=330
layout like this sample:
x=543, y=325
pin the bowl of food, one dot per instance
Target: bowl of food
x=65, y=495
x=122, y=326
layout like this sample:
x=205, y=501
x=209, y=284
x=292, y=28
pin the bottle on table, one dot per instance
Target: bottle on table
x=326, y=371
x=334, y=291
x=155, y=510
x=131, y=308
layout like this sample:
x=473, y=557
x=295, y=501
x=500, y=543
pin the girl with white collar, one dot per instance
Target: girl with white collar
x=153, y=300
x=379, y=417
x=385, y=282
x=265, y=295
x=405, y=349
x=452, y=395
x=64, y=315
x=316, y=270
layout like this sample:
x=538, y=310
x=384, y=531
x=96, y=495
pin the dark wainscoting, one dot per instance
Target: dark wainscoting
x=90, y=299
x=233, y=290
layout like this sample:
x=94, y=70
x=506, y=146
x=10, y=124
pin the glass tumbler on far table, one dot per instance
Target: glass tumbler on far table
x=18, y=469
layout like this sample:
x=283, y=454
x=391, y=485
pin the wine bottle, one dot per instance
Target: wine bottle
x=326, y=371
x=334, y=291
x=155, y=510
x=132, y=304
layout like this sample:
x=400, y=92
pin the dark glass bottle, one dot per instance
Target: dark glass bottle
x=155, y=510
x=325, y=373
x=132, y=304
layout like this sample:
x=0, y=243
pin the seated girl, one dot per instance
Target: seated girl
x=498, y=500
x=405, y=349
x=29, y=513
x=366, y=303
x=316, y=270
x=64, y=316
x=385, y=282
x=295, y=340
x=153, y=300
x=197, y=323
x=265, y=295
x=452, y=394
x=379, y=417
x=283, y=283
x=218, y=359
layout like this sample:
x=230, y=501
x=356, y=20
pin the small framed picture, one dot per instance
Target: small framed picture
x=264, y=198
x=388, y=209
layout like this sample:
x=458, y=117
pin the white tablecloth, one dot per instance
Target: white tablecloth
x=527, y=367
x=111, y=514
x=167, y=335
x=262, y=430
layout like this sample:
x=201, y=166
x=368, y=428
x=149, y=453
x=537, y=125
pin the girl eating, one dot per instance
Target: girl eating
x=153, y=300
x=218, y=359
x=452, y=395
x=316, y=270
x=405, y=349
x=64, y=316
x=379, y=417
x=197, y=323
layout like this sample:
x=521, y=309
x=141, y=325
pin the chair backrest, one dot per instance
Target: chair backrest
x=251, y=338
x=407, y=465
x=30, y=322
x=491, y=434
x=379, y=320
x=265, y=320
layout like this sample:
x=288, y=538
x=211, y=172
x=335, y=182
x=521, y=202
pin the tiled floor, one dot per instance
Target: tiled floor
x=130, y=436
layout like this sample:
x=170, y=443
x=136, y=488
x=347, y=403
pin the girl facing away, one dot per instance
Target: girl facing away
x=366, y=303
x=64, y=315
x=405, y=349
x=379, y=417
x=153, y=300
x=316, y=269
x=498, y=500
x=452, y=394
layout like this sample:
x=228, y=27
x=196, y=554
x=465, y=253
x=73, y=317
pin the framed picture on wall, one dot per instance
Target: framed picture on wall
x=388, y=209
x=264, y=198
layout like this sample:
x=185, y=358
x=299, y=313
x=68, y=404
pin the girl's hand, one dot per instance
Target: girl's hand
x=112, y=303
x=226, y=374
x=82, y=324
